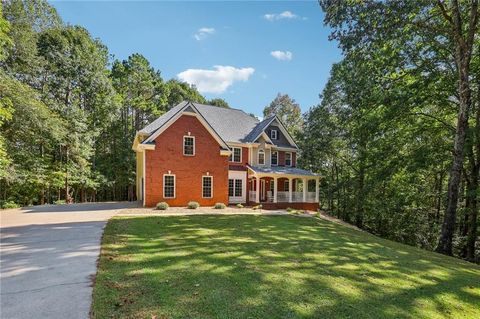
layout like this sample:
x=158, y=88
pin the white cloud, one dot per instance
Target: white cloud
x=280, y=16
x=202, y=33
x=282, y=55
x=217, y=80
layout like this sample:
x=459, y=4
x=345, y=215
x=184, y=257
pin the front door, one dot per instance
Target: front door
x=263, y=196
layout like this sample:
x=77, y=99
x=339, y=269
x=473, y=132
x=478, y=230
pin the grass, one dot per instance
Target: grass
x=272, y=267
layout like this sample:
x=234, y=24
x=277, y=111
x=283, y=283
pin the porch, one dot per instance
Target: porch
x=274, y=186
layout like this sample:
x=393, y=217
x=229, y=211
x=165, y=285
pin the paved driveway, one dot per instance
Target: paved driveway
x=48, y=259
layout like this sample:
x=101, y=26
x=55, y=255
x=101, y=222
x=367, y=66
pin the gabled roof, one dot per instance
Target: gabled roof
x=231, y=125
x=258, y=129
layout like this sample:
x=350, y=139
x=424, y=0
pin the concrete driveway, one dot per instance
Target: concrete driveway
x=48, y=259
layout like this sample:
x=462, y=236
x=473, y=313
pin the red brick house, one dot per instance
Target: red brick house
x=208, y=154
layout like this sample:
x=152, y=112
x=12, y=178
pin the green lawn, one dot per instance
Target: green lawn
x=272, y=267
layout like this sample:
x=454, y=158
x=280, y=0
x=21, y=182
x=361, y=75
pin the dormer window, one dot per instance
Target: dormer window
x=188, y=145
x=261, y=157
x=273, y=134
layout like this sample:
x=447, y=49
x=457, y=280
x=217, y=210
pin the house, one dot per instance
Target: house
x=208, y=154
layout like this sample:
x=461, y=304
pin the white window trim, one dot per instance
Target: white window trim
x=183, y=145
x=271, y=154
x=276, y=135
x=211, y=182
x=291, y=159
x=233, y=154
x=258, y=157
x=174, y=185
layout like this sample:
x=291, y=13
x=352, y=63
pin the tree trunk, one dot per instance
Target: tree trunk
x=463, y=54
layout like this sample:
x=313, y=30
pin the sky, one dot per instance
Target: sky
x=243, y=52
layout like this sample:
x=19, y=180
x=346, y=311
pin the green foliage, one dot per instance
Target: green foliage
x=8, y=204
x=220, y=206
x=218, y=102
x=239, y=205
x=59, y=202
x=288, y=111
x=162, y=206
x=193, y=205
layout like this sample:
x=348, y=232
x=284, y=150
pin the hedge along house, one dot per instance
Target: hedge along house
x=208, y=154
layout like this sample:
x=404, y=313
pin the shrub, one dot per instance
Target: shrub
x=8, y=204
x=239, y=205
x=59, y=202
x=289, y=209
x=193, y=205
x=257, y=207
x=162, y=206
x=220, y=206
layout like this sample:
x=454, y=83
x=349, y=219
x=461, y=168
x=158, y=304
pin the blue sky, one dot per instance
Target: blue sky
x=244, y=52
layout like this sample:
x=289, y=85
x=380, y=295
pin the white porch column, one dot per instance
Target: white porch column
x=275, y=188
x=290, y=186
x=316, y=189
x=305, y=186
x=257, y=193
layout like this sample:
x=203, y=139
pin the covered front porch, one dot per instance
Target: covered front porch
x=281, y=187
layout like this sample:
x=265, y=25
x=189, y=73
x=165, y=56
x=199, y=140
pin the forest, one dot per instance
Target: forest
x=395, y=135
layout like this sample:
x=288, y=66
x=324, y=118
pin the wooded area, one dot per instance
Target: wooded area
x=397, y=133
x=69, y=110
x=396, y=136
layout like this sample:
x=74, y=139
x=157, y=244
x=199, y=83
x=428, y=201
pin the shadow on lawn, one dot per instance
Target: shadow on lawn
x=273, y=267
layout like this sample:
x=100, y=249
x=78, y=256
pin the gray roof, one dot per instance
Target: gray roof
x=232, y=125
x=258, y=129
x=282, y=170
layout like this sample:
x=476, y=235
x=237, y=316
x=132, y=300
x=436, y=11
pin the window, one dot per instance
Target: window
x=236, y=155
x=189, y=145
x=238, y=188
x=261, y=157
x=286, y=186
x=288, y=159
x=235, y=188
x=231, y=188
x=273, y=134
x=169, y=186
x=274, y=158
x=207, y=186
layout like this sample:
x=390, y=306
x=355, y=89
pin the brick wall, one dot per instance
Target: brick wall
x=168, y=156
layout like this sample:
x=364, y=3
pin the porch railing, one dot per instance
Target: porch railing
x=282, y=197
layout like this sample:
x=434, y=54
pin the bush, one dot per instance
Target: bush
x=220, y=206
x=193, y=205
x=257, y=207
x=289, y=209
x=162, y=206
x=239, y=205
x=8, y=204
x=59, y=202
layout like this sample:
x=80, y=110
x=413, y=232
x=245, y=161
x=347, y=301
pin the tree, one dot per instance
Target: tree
x=181, y=91
x=218, y=102
x=428, y=37
x=288, y=111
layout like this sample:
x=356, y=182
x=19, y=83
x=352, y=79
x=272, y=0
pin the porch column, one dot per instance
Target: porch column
x=275, y=187
x=290, y=186
x=316, y=190
x=305, y=186
x=257, y=193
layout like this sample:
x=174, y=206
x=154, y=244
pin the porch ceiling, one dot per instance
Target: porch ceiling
x=282, y=171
